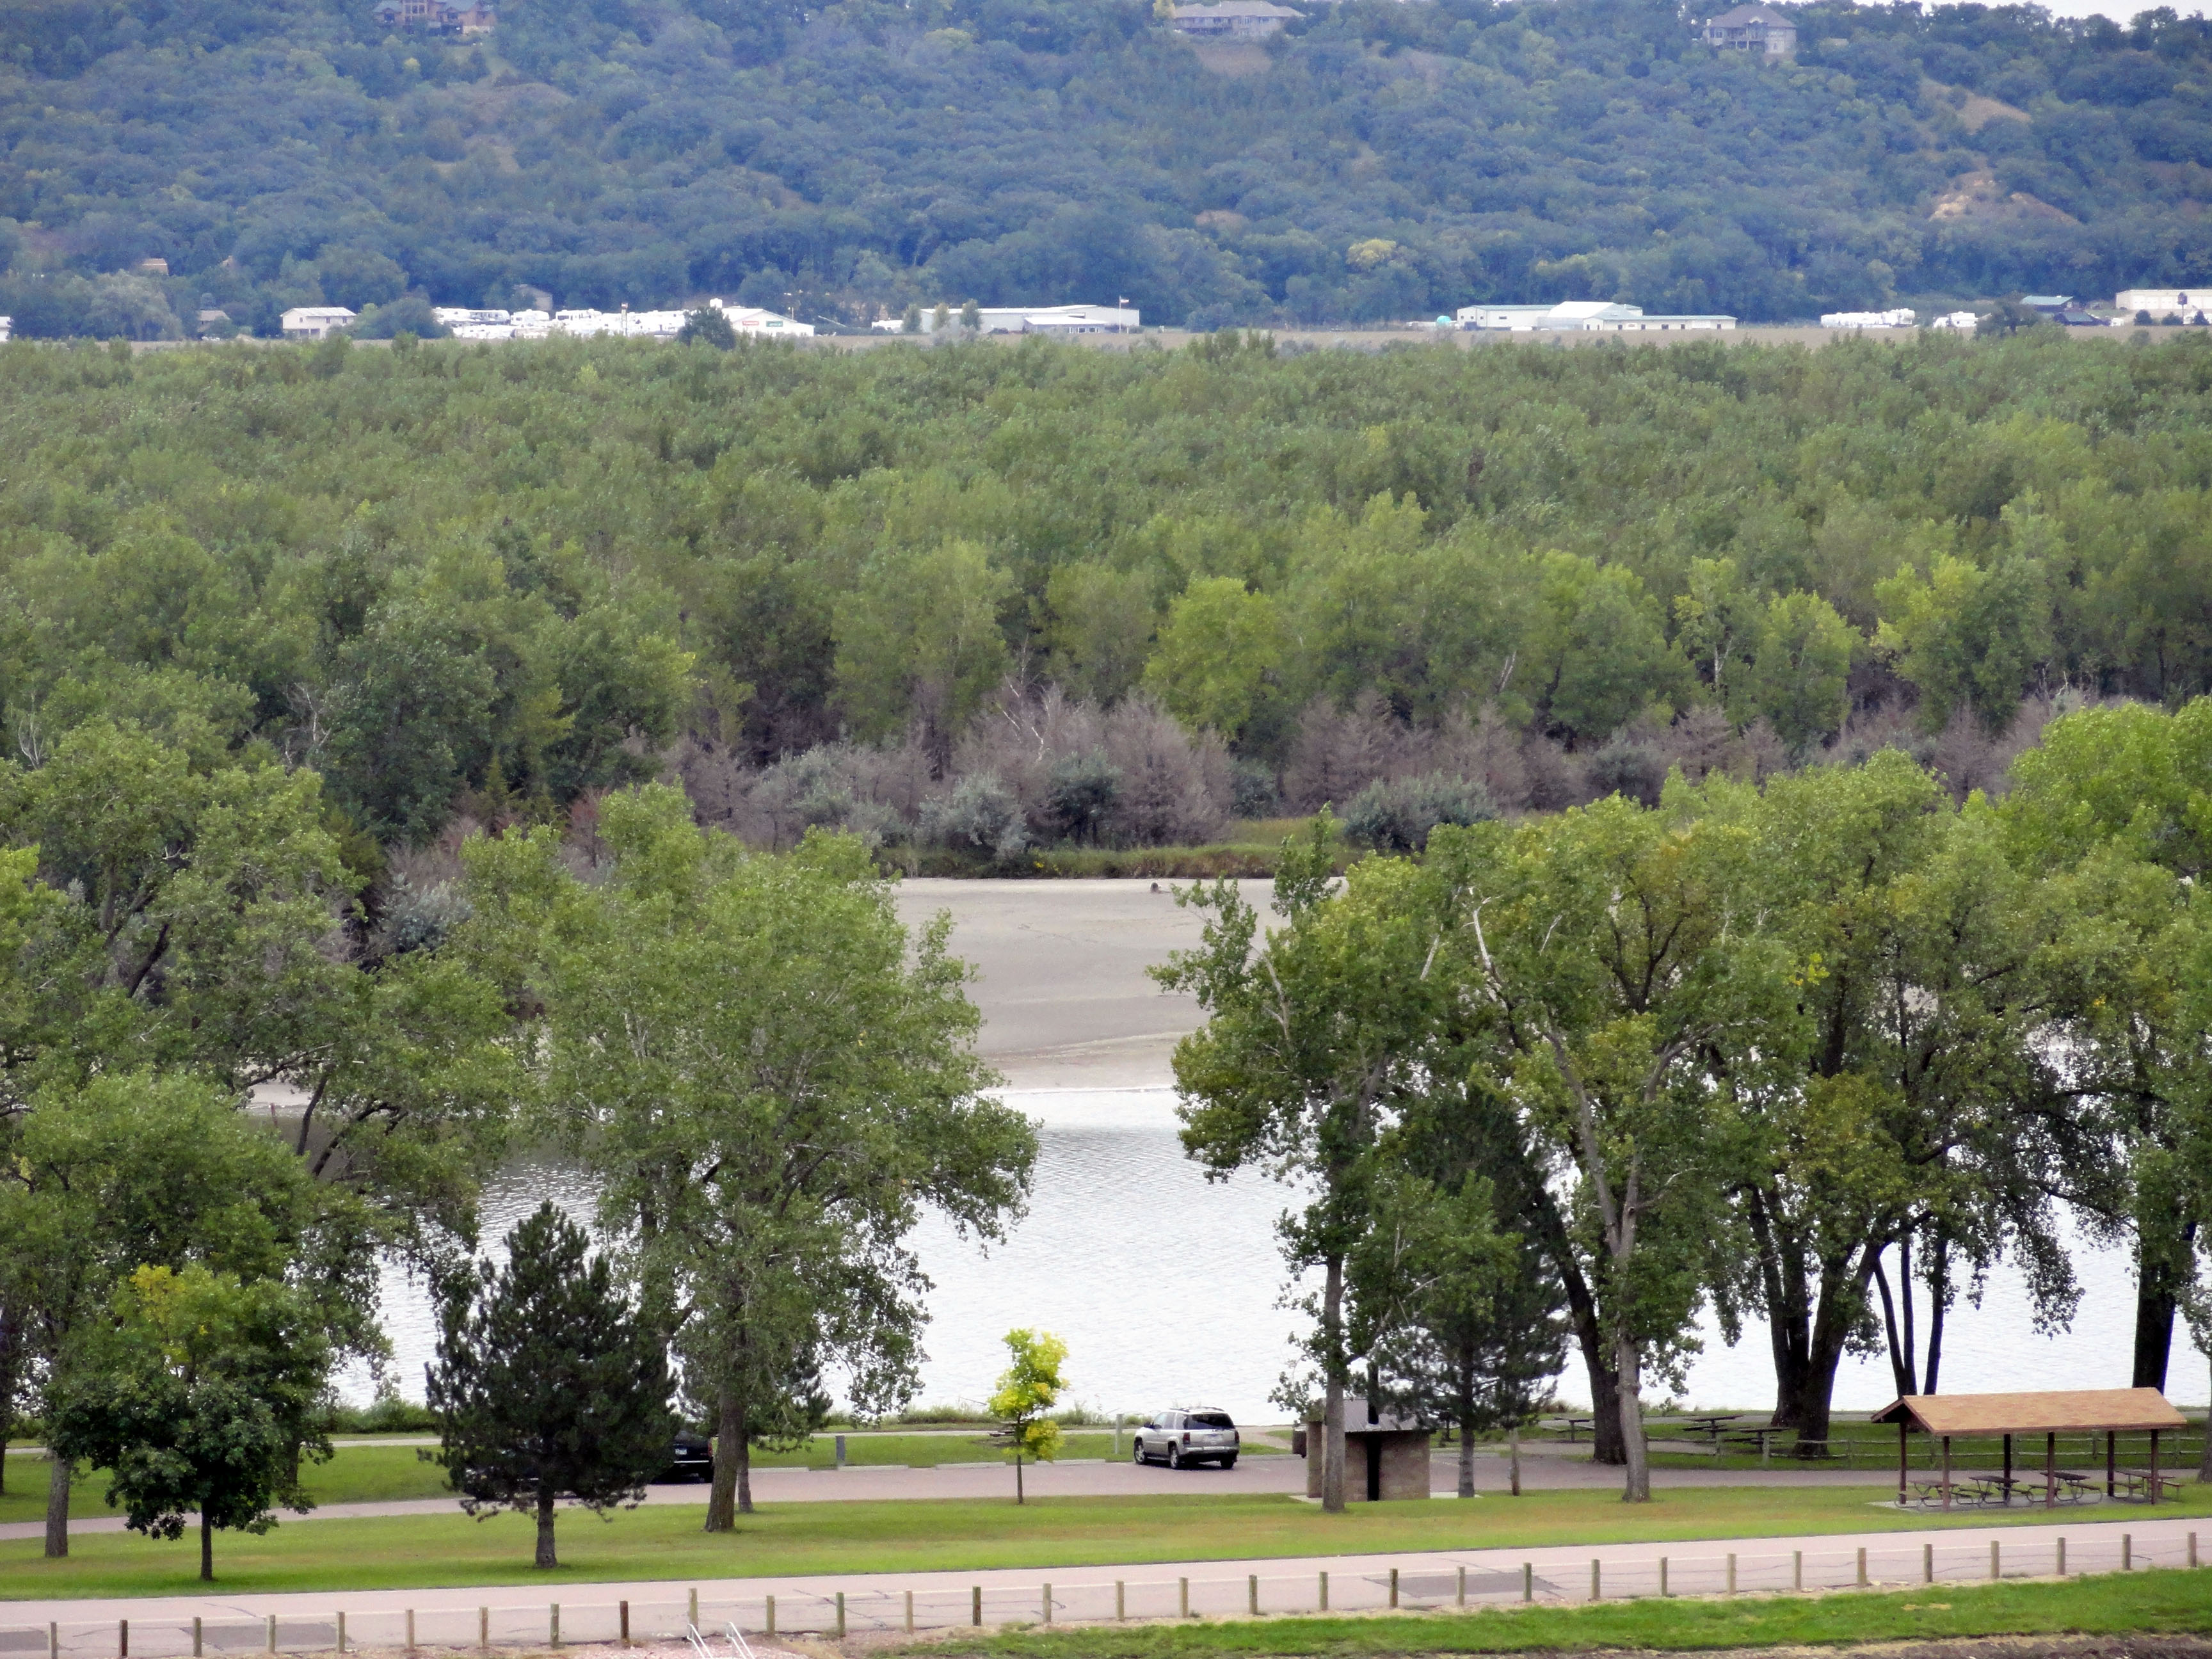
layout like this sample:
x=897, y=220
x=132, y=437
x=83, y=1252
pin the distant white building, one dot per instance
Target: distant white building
x=1963, y=322
x=314, y=322
x=7, y=327
x=1232, y=19
x=467, y=323
x=1903, y=317
x=2162, y=301
x=1028, y=320
x=1760, y=31
x=1585, y=317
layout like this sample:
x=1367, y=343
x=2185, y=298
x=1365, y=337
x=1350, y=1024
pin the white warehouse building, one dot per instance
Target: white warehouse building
x=1029, y=319
x=1583, y=317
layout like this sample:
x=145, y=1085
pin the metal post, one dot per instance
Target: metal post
x=840, y=1615
x=910, y=1612
x=1731, y=1572
x=1797, y=1570
x=975, y=1605
x=1252, y=1594
x=1182, y=1598
x=1662, y=1575
x=1460, y=1598
x=1048, y=1602
x=1324, y=1592
x=771, y=1617
x=1595, y=1590
x=625, y=1624
x=1393, y=1586
x=1120, y=1607
x=1527, y=1581
x=1927, y=1563
x=1863, y=1577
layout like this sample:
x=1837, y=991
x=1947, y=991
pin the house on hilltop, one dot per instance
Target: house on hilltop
x=439, y=16
x=1232, y=19
x=1759, y=30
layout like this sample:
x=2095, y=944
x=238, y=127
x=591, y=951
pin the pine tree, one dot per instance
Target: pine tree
x=547, y=1385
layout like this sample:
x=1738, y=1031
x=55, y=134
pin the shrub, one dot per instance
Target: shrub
x=1396, y=816
x=1080, y=793
x=980, y=816
x=1628, y=767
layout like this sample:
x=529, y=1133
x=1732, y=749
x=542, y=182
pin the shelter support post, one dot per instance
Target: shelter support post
x=1947, y=1471
x=2006, y=1481
x=2154, y=1465
x=2111, y=1460
x=2051, y=1473
x=1902, y=1461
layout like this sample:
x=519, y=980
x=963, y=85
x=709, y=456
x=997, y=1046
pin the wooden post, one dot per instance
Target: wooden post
x=2007, y=1482
x=1662, y=1575
x=1182, y=1598
x=1252, y=1594
x=483, y=1628
x=1594, y=1591
x=1927, y=1563
x=198, y=1636
x=2050, y=1471
x=975, y=1605
x=1797, y=1570
x=1903, y=1457
x=2112, y=1457
x=840, y=1615
x=1947, y=1471
x=123, y=1639
x=691, y=1609
x=2153, y=1466
x=1731, y=1572
x=1393, y=1586
x=1527, y=1581
x=341, y=1630
x=625, y=1624
x=1048, y=1602
x=910, y=1612
x=1324, y=1592
x=553, y=1625
x=1461, y=1599
x=770, y=1608
x=272, y=1632
x=1120, y=1607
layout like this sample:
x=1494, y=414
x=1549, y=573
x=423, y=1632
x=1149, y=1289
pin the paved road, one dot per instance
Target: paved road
x=521, y=1615
x=1093, y=1479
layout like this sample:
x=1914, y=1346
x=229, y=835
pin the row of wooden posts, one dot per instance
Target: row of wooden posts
x=1121, y=1604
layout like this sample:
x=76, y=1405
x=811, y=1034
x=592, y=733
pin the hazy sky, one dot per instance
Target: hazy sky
x=2122, y=11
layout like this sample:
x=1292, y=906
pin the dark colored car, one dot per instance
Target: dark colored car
x=691, y=1459
x=1180, y=1439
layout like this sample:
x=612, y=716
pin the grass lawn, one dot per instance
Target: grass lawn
x=375, y=1475
x=2115, y=1603
x=665, y=1542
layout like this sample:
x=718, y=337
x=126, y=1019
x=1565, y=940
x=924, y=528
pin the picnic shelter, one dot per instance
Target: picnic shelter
x=2108, y=1412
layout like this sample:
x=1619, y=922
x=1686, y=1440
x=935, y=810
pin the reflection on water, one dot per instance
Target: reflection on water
x=1164, y=1287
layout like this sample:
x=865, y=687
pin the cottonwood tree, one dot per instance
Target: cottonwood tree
x=547, y=1385
x=1311, y=1033
x=1612, y=945
x=772, y=1082
x=198, y=1397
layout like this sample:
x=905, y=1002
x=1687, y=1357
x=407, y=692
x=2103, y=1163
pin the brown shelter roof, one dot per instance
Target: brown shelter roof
x=2065, y=1411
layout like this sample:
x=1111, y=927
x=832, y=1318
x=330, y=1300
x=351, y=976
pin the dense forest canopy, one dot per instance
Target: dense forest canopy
x=479, y=578
x=1379, y=161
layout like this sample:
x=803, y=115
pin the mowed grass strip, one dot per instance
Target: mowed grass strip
x=665, y=1541
x=2167, y=1602
x=380, y=1474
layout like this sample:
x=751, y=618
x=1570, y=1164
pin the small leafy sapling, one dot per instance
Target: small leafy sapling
x=1028, y=1389
x=547, y=1385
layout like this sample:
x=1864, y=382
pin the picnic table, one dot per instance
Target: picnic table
x=2148, y=1484
x=1983, y=1492
x=1710, y=1425
x=2064, y=1486
x=1760, y=1438
x=1576, y=1424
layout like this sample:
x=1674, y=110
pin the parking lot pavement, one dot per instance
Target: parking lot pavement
x=519, y=1617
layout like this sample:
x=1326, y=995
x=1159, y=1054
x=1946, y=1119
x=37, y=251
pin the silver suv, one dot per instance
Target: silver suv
x=1180, y=1439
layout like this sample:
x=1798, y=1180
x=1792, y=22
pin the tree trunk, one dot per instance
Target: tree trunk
x=58, y=1501
x=1832, y=1330
x=1901, y=1355
x=1018, y=1498
x=1466, y=1456
x=1582, y=1310
x=207, y=1550
x=729, y=1439
x=1332, y=1420
x=1789, y=1313
x=1629, y=1364
x=1513, y=1455
x=9, y=1368
x=2162, y=1267
x=545, y=1556
x=1939, y=1294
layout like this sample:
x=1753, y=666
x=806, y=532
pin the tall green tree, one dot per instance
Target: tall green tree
x=772, y=1081
x=1311, y=1032
x=547, y=1384
x=1606, y=946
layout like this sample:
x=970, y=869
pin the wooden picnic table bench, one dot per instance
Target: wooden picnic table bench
x=2144, y=1483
